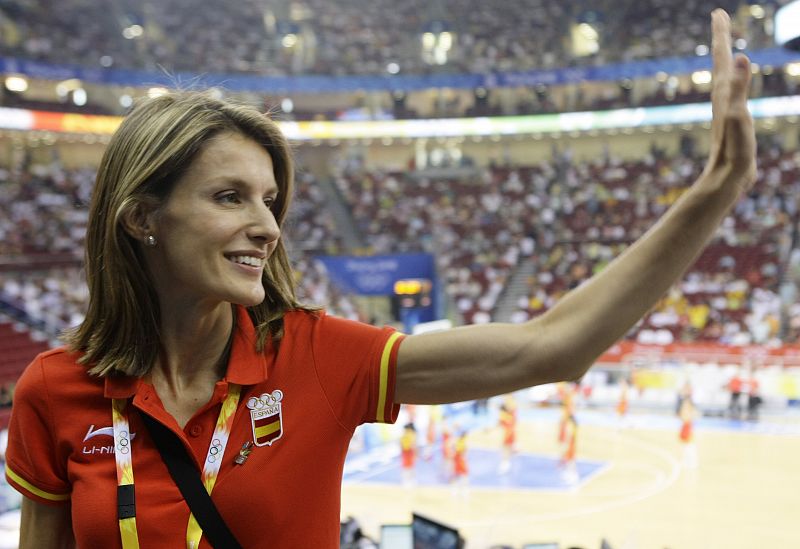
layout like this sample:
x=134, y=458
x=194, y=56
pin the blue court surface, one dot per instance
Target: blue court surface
x=527, y=472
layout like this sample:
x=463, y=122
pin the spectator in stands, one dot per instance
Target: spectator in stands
x=192, y=303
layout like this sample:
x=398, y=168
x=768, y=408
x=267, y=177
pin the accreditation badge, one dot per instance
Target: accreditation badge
x=265, y=416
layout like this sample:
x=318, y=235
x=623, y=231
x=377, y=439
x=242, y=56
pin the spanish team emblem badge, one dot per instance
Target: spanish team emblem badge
x=265, y=416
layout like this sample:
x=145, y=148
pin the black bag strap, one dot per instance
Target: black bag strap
x=183, y=471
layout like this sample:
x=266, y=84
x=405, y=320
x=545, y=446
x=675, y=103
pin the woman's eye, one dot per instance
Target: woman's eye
x=228, y=198
x=269, y=201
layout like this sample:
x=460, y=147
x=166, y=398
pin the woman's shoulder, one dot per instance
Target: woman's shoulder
x=59, y=358
x=318, y=318
x=303, y=317
x=318, y=323
x=58, y=370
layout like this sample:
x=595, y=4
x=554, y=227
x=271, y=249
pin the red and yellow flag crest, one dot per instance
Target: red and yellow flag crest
x=266, y=418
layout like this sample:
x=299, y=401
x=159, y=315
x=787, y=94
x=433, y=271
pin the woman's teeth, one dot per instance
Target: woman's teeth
x=247, y=260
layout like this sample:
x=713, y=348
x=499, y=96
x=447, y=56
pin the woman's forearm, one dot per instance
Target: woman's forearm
x=595, y=315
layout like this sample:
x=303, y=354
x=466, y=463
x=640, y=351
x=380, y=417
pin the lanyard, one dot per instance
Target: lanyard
x=126, y=510
x=123, y=453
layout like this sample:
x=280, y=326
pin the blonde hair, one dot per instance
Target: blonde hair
x=152, y=148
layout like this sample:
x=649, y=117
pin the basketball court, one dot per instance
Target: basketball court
x=634, y=488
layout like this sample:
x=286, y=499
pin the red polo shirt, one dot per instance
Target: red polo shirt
x=334, y=375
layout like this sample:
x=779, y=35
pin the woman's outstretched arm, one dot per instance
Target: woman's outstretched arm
x=478, y=361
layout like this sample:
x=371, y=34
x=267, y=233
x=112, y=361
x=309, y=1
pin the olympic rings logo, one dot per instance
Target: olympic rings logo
x=214, y=450
x=265, y=400
x=123, y=444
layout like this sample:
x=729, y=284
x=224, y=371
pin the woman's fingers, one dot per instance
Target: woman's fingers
x=732, y=139
x=721, y=42
x=721, y=69
x=740, y=81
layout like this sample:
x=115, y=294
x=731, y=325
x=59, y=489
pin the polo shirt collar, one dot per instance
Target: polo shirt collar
x=121, y=386
x=246, y=366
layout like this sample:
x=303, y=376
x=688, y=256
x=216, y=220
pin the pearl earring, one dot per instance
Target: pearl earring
x=150, y=241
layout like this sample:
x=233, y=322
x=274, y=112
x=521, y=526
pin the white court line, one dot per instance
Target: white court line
x=373, y=471
x=359, y=474
x=656, y=489
x=655, y=473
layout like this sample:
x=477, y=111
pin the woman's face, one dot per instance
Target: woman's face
x=216, y=229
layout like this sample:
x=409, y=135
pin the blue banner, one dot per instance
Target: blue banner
x=376, y=275
x=277, y=85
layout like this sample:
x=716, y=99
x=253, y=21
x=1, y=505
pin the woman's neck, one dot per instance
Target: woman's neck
x=194, y=348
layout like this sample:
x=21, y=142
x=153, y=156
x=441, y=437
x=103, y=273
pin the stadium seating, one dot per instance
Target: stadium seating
x=17, y=348
x=566, y=219
x=355, y=37
x=358, y=39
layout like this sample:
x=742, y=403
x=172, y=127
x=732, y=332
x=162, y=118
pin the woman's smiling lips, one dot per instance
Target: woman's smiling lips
x=251, y=262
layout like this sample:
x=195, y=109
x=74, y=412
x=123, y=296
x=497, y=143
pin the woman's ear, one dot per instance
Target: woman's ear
x=138, y=220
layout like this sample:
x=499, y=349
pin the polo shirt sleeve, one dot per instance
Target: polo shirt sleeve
x=356, y=364
x=32, y=464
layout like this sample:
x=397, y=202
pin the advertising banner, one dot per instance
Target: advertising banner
x=375, y=275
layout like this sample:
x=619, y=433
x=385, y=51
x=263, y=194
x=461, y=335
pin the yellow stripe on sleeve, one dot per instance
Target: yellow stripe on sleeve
x=33, y=489
x=384, y=377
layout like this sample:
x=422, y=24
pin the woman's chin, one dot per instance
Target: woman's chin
x=251, y=300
